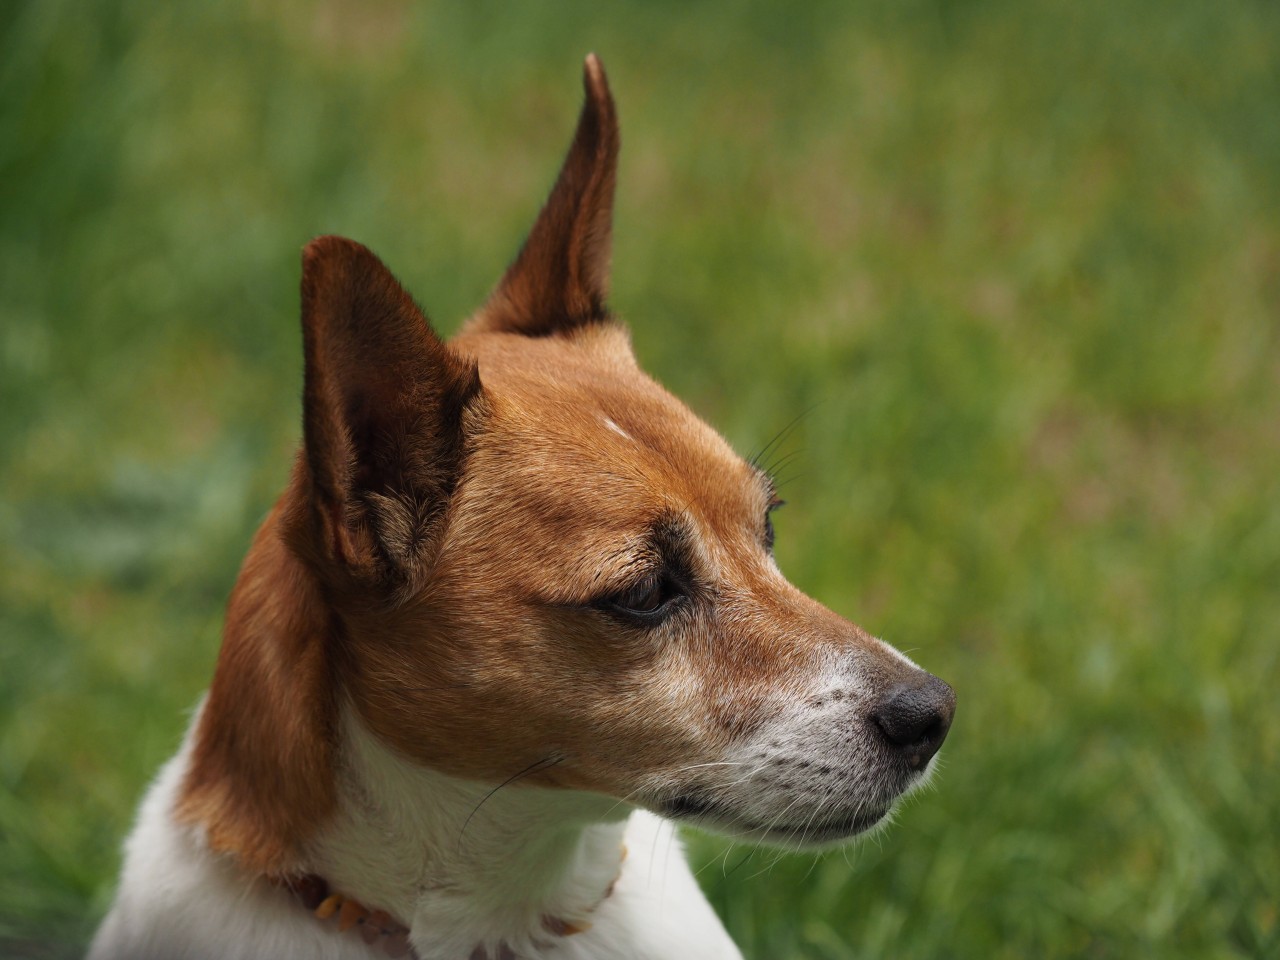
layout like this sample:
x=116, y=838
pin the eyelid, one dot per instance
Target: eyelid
x=674, y=587
x=641, y=588
x=774, y=504
x=642, y=573
x=659, y=561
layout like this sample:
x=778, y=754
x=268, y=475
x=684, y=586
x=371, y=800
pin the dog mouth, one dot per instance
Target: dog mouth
x=800, y=831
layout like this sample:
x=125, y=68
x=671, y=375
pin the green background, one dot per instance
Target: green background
x=1014, y=265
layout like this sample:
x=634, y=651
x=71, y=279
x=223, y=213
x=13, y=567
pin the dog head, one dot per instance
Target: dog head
x=516, y=554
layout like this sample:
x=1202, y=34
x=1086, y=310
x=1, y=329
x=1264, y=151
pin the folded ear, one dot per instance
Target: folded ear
x=384, y=404
x=561, y=277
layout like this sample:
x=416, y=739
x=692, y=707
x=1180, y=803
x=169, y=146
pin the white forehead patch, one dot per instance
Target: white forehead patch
x=616, y=429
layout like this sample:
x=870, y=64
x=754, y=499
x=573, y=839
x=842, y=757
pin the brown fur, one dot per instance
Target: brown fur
x=261, y=777
x=561, y=276
x=457, y=513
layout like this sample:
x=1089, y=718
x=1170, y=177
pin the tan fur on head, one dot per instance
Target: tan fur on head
x=470, y=551
x=386, y=412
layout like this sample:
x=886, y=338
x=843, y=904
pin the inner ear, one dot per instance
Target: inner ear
x=560, y=279
x=384, y=408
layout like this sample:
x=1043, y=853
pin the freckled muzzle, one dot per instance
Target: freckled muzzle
x=832, y=767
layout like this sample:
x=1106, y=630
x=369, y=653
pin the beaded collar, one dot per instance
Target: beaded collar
x=383, y=932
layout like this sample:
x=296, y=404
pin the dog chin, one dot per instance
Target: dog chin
x=811, y=832
x=819, y=833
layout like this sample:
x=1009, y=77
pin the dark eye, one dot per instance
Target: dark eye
x=768, y=522
x=647, y=601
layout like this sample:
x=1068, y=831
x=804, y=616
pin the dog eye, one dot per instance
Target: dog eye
x=768, y=522
x=646, y=598
x=649, y=600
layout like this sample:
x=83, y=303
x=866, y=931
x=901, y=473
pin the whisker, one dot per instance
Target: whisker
x=537, y=766
x=757, y=459
x=773, y=822
x=626, y=798
x=776, y=467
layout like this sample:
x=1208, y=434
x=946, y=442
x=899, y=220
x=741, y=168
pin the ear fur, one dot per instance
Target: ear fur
x=384, y=408
x=384, y=403
x=560, y=279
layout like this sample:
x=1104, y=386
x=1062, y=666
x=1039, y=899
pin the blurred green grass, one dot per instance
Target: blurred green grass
x=1015, y=266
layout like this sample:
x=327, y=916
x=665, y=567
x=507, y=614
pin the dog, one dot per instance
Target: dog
x=515, y=616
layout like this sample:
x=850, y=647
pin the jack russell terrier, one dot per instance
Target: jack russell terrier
x=515, y=614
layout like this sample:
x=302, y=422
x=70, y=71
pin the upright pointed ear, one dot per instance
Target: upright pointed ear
x=561, y=277
x=384, y=407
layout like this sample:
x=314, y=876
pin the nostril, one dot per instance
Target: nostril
x=904, y=725
x=915, y=717
x=930, y=732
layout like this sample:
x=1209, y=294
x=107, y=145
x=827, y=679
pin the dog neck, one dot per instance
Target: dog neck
x=463, y=865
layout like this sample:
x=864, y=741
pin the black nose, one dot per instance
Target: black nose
x=915, y=716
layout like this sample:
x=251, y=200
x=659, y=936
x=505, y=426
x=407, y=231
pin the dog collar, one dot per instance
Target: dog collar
x=382, y=931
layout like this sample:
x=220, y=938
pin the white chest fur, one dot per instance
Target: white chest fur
x=398, y=842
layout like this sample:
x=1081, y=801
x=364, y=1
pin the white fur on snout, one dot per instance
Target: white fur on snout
x=818, y=766
x=895, y=652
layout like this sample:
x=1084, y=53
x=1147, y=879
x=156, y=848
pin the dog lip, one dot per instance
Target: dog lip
x=824, y=831
x=698, y=808
x=690, y=805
